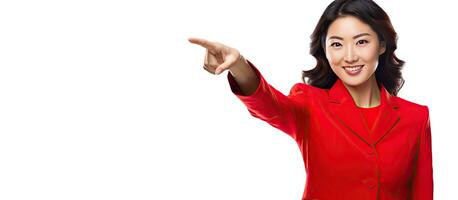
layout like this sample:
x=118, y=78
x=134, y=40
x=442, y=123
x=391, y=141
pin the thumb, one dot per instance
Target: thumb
x=230, y=59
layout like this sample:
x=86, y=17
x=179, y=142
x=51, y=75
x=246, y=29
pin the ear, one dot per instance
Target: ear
x=382, y=48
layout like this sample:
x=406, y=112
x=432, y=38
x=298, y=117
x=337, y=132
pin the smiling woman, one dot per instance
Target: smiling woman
x=357, y=138
x=355, y=30
x=354, y=57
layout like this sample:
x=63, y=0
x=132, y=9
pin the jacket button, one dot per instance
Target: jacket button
x=371, y=152
x=370, y=183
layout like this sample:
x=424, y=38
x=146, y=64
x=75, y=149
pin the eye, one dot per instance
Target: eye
x=334, y=44
x=362, y=42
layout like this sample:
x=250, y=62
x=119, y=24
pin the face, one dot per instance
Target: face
x=350, y=44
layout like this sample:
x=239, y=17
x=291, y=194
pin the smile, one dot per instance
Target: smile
x=353, y=70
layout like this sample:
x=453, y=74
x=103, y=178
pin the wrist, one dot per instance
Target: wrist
x=240, y=65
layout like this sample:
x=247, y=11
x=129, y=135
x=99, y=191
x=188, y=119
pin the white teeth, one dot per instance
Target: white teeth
x=356, y=68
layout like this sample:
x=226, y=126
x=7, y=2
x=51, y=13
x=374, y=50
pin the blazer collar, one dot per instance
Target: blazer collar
x=344, y=107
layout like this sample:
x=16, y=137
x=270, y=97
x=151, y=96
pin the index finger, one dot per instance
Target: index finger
x=204, y=43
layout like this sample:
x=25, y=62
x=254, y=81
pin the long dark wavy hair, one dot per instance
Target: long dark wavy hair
x=389, y=67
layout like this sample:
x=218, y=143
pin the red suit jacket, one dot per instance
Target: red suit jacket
x=344, y=159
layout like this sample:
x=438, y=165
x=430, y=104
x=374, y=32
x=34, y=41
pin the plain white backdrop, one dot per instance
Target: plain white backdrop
x=108, y=99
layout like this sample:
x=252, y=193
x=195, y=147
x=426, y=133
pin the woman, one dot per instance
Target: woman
x=358, y=139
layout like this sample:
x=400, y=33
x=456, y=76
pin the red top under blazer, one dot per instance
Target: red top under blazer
x=344, y=159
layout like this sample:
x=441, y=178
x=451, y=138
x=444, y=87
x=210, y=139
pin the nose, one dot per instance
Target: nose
x=350, y=55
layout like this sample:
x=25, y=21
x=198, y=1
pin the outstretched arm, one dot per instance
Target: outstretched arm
x=268, y=104
x=262, y=100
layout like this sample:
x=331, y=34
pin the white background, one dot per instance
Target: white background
x=108, y=99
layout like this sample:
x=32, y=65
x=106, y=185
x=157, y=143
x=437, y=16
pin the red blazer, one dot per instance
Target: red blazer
x=344, y=159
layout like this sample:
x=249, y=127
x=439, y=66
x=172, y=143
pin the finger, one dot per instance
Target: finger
x=206, y=58
x=206, y=69
x=230, y=59
x=212, y=60
x=212, y=46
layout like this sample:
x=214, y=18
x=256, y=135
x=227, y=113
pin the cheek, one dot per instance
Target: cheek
x=369, y=54
x=333, y=57
x=370, y=57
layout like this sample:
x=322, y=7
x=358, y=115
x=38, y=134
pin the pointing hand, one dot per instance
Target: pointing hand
x=218, y=57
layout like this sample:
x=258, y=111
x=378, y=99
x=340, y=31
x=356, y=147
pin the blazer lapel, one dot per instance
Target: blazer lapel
x=387, y=118
x=345, y=109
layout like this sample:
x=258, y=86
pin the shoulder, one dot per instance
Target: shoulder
x=305, y=94
x=410, y=105
x=414, y=110
x=304, y=89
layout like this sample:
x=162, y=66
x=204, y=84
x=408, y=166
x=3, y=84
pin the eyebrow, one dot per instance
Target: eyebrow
x=354, y=37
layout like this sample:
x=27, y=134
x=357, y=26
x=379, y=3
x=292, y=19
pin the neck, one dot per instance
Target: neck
x=367, y=94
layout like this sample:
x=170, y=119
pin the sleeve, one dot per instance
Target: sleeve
x=270, y=105
x=422, y=188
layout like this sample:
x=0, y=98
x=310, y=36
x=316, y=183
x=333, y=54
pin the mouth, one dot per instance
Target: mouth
x=353, y=67
x=353, y=70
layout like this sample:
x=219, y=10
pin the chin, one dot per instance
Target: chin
x=353, y=81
